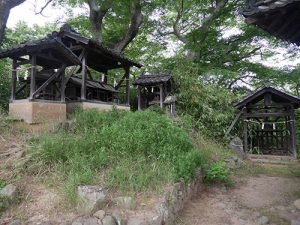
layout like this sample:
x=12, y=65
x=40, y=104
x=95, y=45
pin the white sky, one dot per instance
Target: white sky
x=26, y=12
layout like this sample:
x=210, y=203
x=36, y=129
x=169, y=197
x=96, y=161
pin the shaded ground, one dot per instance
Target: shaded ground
x=244, y=204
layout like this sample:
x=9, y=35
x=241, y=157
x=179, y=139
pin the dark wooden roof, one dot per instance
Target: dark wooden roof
x=278, y=17
x=59, y=44
x=277, y=96
x=152, y=79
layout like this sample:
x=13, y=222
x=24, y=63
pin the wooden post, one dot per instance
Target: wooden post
x=13, y=80
x=139, y=98
x=83, y=77
x=161, y=95
x=245, y=130
x=127, y=72
x=63, y=86
x=33, y=74
x=293, y=132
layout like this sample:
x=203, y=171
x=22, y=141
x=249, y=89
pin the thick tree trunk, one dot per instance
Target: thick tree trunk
x=5, y=7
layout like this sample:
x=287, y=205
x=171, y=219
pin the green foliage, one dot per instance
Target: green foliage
x=218, y=172
x=130, y=151
x=3, y=183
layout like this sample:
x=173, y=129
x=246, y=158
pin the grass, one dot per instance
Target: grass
x=274, y=217
x=132, y=152
x=254, y=169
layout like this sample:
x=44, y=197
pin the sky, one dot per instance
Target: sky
x=26, y=12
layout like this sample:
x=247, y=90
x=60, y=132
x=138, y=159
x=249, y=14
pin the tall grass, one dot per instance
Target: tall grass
x=125, y=150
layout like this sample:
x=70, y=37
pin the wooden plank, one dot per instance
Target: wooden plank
x=23, y=62
x=14, y=79
x=63, y=86
x=270, y=114
x=245, y=130
x=127, y=72
x=33, y=74
x=233, y=122
x=83, y=74
x=293, y=133
x=161, y=96
x=50, y=79
x=139, y=98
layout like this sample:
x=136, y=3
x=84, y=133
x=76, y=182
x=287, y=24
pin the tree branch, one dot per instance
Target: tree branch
x=43, y=8
x=176, y=25
x=135, y=23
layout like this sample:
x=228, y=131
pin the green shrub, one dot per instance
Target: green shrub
x=131, y=151
x=218, y=172
x=3, y=183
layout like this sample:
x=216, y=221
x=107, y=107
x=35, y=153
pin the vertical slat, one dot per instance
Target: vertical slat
x=293, y=132
x=83, y=74
x=33, y=75
x=63, y=86
x=127, y=71
x=245, y=130
x=161, y=95
x=139, y=98
x=13, y=80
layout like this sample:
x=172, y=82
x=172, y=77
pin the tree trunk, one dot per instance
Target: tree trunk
x=5, y=7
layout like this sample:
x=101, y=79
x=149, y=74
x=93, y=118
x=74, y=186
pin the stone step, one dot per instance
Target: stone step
x=272, y=159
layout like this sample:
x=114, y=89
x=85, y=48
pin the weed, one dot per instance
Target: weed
x=134, y=151
x=3, y=183
x=218, y=172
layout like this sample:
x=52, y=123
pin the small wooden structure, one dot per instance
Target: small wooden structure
x=269, y=121
x=61, y=69
x=280, y=18
x=153, y=89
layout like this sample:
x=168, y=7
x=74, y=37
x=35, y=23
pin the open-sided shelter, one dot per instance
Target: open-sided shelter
x=269, y=121
x=153, y=89
x=60, y=76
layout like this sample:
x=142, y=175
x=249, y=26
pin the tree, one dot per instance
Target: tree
x=5, y=7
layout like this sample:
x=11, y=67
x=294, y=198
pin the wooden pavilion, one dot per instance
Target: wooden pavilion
x=153, y=89
x=269, y=122
x=61, y=72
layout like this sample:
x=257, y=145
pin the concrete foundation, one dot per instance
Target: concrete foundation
x=37, y=112
x=101, y=107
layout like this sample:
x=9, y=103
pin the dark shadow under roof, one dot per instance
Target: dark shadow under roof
x=280, y=18
x=277, y=96
x=152, y=79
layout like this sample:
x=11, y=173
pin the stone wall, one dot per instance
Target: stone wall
x=101, y=107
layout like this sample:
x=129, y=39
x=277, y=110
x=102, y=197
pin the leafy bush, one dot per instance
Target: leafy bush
x=218, y=172
x=126, y=150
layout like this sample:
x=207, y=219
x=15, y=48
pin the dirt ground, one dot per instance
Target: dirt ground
x=245, y=203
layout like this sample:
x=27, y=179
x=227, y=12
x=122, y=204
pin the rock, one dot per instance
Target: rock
x=295, y=222
x=297, y=204
x=236, y=145
x=15, y=222
x=221, y=205
x=9, y=191
x=263, y=220
x=99, y=214
x=90, y=221
x=92, y=198
x=234, y=162
x=125, y=202
x=108, y=220
x=137, y=221
x=77, y=223
x=119, y=219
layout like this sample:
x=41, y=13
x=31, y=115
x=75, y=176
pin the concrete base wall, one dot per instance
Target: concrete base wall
x=101, y=107
x=37, y=112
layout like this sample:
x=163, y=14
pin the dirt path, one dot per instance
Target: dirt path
x=244, y=204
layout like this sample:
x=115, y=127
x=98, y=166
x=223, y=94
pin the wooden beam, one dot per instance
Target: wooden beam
x=245, y=123
x=233, y=122
x=23, y=62
x=83, y=80
x=50, y=79
x=14, y=80
x=63, y=86
x=33, y=74
x=139, y=98
x=161, y=96
x=127, y=73
x=293, y=132
x=270, y=114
